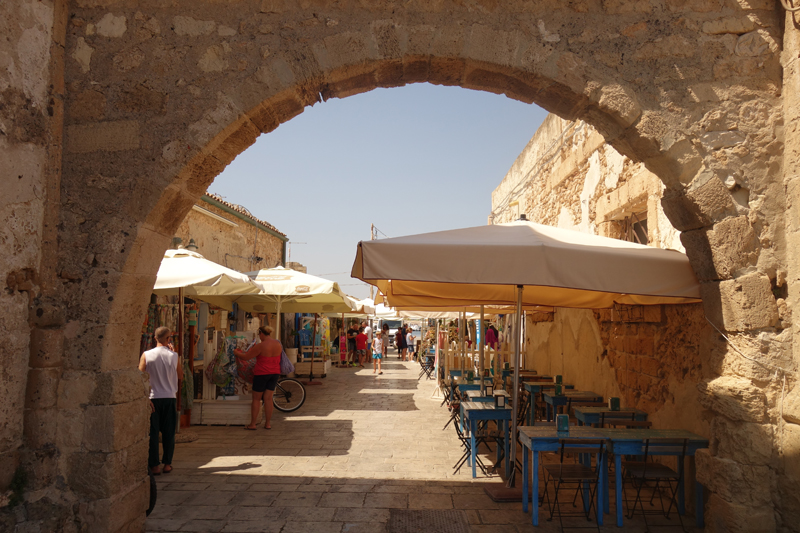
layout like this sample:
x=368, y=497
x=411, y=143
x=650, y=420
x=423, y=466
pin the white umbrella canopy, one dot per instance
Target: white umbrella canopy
x=283, y=290
x=201, y=279
x=555, y=267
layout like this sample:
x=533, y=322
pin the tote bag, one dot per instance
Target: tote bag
x=286, y=366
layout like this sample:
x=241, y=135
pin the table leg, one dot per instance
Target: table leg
x=605, y=483
x=472, y=428
x=618, y=488
x=548, y=407
x=461, y=408
x=535, y=487
x=510, y=461
x=601, y=463
x=699, y=519
x=681, y=488
x=524, y=479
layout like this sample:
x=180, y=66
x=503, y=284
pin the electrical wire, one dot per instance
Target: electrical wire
x=762, y=363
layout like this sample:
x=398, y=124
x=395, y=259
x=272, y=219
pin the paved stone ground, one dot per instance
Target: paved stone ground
x=360, y=446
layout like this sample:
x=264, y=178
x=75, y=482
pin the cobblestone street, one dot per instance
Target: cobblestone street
x=360, y=446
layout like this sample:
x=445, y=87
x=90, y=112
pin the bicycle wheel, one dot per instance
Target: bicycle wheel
x=289, y=395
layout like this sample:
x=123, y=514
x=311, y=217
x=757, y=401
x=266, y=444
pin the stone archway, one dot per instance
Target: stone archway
x=160, y=96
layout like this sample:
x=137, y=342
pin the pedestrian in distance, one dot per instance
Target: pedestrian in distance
x=398, y=341
x=368, y=332
x=163, y=367
x=361, y=347
x=265, y=374
x=377, y=355
x=385, y=340
x=352, y=332
x=410, y=344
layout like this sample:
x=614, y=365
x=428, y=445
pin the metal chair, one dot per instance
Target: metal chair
x=641, y=472
x=466, y=443
x=575, y=475
x=426, y=367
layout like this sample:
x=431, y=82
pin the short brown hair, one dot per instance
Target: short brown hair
x=162, y=333
x=266, y=330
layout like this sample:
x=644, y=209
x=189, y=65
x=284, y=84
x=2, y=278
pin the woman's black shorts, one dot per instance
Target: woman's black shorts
x=265, y=382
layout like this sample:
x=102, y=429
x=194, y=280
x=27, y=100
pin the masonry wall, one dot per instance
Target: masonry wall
x=665, y=360
x=236, y=246
x=30, y=122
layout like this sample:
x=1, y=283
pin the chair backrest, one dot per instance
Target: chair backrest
x=665, y=446
x=622, y=423
x=592, y=446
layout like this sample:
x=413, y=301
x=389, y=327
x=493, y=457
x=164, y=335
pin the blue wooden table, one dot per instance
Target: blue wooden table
x=533, y=388
x=475, y=412
x=554, y=401
x=592, y=415
x=620, y=442
x=477, y=396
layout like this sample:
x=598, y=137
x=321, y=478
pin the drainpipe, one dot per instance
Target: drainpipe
x=283, y=255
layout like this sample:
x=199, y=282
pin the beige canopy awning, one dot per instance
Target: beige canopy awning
x=555, y=267
x=201, y=279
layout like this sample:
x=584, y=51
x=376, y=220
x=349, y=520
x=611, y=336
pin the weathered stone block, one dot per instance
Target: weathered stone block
x=746, y=443
x=710, y=197
x=40, y=427
x=120, y=386
x=42, y=392
x=110, y=428
x=791, y=406
x=722, y=251
x=734, y=397
x=102, y=136
x=740, y=304
x=47, y=348
x=726, y=517
x=735, y=482
x=75, y=389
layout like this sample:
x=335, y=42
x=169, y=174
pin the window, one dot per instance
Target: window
x=633, y=228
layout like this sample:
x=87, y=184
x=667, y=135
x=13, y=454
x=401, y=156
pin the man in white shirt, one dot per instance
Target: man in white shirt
x=162, y=366
x=368, y=333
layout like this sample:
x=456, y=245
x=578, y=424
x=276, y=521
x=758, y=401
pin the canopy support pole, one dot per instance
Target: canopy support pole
x=512, y=460
x=313, y=349
x=481, y=349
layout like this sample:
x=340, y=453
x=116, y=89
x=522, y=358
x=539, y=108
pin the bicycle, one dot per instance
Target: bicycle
x=289, y=395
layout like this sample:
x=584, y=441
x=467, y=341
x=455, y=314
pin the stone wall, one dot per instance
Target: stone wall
x=244, y=244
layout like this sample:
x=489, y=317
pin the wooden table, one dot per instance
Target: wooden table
x=533, y=388
x=475, y=412
x=592, y=415
x=554, y=401
x=621, y=442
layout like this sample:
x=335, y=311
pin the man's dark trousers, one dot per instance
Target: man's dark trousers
x=164, y=420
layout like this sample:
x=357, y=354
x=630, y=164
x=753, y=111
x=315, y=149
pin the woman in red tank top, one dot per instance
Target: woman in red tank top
x=265, y=374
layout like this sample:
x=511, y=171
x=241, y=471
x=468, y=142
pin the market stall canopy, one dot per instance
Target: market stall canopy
x=201, y=279
x=283, y=290
x=555, y=267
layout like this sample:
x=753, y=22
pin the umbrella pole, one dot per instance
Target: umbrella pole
x=278, y=320
x=313, y=349
x=480, y=348
x=512, y=460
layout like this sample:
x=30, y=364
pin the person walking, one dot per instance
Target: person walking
x=265, y=374
x=410, y=344
x=377, y=355
x=491, y=337
x=385, y=340
x=399, y=341
x=361, y=347
x=162, y=366
x=352, y=333
x=368, y=332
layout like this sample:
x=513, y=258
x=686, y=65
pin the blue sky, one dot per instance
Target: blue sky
x=410, y=160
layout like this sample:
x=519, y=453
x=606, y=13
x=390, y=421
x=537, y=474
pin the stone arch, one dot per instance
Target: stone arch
x=160, y=98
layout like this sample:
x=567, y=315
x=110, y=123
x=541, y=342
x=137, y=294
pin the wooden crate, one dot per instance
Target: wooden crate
x=321, y=368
